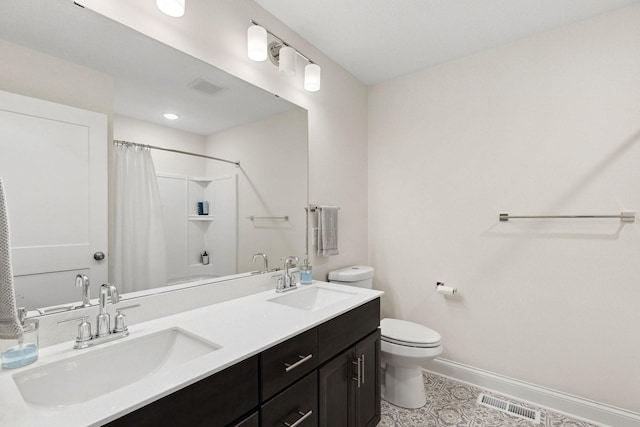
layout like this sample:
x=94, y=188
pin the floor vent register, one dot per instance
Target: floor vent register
x=509, y=408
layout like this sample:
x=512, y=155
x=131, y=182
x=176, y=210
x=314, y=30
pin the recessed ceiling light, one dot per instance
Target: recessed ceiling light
x=171, y=116
x=173, y=8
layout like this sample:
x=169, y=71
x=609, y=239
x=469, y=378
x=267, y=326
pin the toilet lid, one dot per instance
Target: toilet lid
x=407, y=333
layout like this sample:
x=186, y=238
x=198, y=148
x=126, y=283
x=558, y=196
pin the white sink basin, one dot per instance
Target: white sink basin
x=312, y=299
x=92, y=374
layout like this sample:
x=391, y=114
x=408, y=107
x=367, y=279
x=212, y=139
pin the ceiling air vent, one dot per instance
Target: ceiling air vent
x=205, y=86
x=509, y=408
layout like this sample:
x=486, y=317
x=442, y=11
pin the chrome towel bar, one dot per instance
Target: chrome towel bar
x=283, y=218
x=624, y=216
x=313, y=208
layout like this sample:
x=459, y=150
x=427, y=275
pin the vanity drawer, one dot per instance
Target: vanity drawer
x=251, y=421
x=287, y=362
x=298, y=403
x=337, y=334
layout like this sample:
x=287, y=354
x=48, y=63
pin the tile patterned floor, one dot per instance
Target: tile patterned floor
x=450, y=403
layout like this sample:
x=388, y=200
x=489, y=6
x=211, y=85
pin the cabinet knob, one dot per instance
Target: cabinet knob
x=98, y=256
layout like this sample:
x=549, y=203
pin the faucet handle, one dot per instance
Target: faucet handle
x=121, y=320
x=84, y=329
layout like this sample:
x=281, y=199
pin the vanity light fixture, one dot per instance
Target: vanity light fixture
x=257, y=43
x=281, y=54
x=312, y=77
x=174, y=8
x=171, y=116
x=287, y=61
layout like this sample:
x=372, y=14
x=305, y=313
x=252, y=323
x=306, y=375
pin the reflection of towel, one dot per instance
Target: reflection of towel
x=10, y=327
x=327, y=230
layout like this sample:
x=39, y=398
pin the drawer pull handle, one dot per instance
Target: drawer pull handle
x=301, y=419
x=362, y=369
x=290, y=366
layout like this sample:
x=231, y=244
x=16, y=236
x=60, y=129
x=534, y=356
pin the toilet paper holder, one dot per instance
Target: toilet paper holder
x=445, y=290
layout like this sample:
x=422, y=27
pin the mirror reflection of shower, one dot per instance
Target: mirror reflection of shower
x=234, y=120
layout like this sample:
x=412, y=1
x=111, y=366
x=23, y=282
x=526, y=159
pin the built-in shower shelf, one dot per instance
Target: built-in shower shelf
x=200, y=218
x=203, y=179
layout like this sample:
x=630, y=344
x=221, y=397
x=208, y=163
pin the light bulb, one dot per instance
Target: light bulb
x=287, y=61
x=312, y=77
x=257, y=43
x=173, y=8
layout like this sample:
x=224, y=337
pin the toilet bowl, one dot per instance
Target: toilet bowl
x=405, y=347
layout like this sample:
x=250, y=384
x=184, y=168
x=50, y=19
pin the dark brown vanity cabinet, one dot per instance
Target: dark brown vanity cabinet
x=327, y=376
x=297, y=405
x=252, y=420
x=287, y=362
x=367, y=400
x=218, y=400
x=349, y=384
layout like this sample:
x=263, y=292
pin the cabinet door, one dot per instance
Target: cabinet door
x=368, y=393
x=337, y=386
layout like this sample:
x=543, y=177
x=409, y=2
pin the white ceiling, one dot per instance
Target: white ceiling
x=377, y=40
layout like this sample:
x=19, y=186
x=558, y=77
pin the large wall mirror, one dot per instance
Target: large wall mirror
x=69, y=74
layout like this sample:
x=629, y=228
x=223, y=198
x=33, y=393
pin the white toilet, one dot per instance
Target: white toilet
x=406, y=347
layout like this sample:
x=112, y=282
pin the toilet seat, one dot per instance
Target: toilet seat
x=401, y=332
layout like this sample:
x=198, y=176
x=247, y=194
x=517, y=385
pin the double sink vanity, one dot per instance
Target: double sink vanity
x=308, y=357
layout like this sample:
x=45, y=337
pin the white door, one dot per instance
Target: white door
x=53, y=161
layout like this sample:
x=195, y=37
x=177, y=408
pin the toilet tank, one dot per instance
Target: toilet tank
x=357, y=275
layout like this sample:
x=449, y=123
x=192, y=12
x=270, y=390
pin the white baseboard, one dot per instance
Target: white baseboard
x=576, y=407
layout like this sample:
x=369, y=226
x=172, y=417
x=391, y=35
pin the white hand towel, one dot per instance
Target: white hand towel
x=327, y=230
x=10, y=327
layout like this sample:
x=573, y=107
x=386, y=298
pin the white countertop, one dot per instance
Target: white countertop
x=243, y=327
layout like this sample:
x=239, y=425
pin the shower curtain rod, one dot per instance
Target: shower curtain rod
x=153, y=147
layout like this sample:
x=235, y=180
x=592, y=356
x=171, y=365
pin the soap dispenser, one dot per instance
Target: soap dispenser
x=306, y=273
x=19, y=352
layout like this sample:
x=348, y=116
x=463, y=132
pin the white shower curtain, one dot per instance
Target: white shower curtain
x=139, y=254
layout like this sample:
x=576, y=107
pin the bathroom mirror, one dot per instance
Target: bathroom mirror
x=47, y=45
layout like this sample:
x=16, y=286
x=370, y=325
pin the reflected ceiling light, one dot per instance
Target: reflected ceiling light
x=257, y=43
x=281, y=55
x=312, y=77
x=171, y=116
x=173, y=8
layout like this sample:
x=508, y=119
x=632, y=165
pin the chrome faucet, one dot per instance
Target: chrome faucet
x=82, y=281
x=103, y=332
x=286, y=282
x=103, y=320
x=265, y=262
